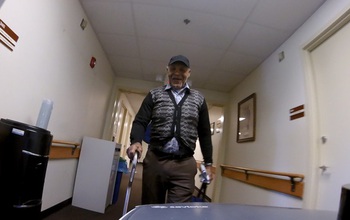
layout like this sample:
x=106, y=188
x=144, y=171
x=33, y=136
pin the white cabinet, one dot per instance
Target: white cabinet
x=96, y=173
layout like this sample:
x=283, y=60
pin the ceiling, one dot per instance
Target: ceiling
x=224, y=40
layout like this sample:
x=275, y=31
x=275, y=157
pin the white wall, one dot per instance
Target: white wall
x=215, y=112
x=51, y=60
x=281, y=145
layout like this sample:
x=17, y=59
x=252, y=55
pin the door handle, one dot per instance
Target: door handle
x=323, y=168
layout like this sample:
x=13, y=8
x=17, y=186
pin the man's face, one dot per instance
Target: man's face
x=178, y=74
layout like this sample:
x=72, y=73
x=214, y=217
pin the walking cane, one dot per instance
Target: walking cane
x=128, y=190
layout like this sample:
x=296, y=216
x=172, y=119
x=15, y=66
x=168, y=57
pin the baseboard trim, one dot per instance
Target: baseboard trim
x=56, y=208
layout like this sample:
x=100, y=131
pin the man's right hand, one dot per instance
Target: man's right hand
x=136, y=147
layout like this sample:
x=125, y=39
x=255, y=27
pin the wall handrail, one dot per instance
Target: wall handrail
x=288, y=183
x=64, y=149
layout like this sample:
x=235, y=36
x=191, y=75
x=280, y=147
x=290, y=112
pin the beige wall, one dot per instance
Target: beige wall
x=281, y=144
x=51, y=61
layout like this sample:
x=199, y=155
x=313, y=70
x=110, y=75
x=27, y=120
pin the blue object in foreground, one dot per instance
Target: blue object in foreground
x=214, y=211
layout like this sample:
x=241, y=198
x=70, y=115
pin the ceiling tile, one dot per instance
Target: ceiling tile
x=275, y=13
x=257, y=40
x=126, y=64
x=228, y=8
x=164, y=51
x=119, y=45
x=225, y=39
x=224, y=80
x=110, y=16
x=239, y=63
x=204, y=29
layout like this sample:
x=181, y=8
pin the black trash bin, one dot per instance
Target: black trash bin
x=24, y=154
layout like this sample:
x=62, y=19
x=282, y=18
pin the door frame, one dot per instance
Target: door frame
x=311, y=194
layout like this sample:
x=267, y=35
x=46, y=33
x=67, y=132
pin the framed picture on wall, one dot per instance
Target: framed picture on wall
x=246, y=119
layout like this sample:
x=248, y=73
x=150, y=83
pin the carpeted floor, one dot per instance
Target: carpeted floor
x=114, y=211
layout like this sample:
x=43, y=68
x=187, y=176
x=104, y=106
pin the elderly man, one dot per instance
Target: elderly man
x=178, y=116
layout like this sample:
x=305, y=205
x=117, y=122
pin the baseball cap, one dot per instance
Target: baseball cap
x=179, y=58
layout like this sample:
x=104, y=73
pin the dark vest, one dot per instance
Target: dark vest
x=166, y=114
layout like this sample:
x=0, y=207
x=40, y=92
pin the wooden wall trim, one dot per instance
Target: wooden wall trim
x=64, y=150
x=288, y=183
